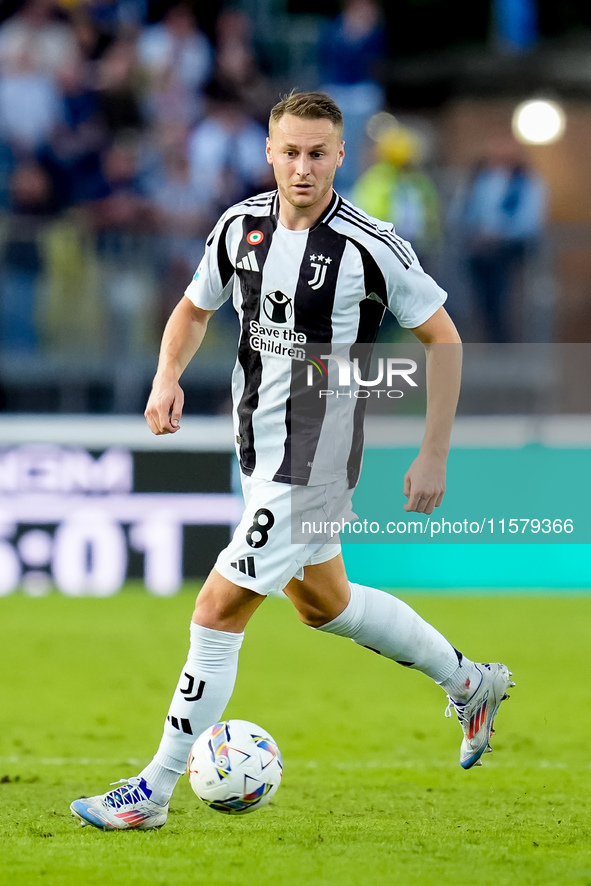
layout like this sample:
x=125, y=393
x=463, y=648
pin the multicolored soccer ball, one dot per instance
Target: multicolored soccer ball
x=235, y=767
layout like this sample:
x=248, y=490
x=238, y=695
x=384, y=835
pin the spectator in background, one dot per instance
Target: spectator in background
x=122, y=219
x=236, y=68
x=92, y=38
x=31, y=205
x=176, y=59
x=227, y=153
x=168, y=100
x=500, y=217
x=37, y=32
x=119, y=89
x=397, y=190
x=122, y=207
x=111, y=16
x=72, y=155
x=182, y=220
x=30, y=104
x=177, y=44
x=350, y=48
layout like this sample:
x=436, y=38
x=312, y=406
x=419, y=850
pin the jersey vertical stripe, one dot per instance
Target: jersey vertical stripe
x=250, y=360
x=224, y=264
x=313, y=318
x=371, y=312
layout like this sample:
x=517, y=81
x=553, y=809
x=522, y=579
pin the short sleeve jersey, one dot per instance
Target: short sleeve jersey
x=328, y=284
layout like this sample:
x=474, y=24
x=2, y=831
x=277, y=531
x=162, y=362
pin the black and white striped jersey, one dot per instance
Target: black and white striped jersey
x=329, y=284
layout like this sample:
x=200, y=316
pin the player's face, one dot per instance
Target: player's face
x=305, y=155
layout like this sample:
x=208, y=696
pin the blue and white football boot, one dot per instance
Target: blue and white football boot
x=477, y=715
x=128, y=806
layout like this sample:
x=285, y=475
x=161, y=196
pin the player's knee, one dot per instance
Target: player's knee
x=313, y=614
x=224, y=606
x=207, y=615
x=218, y=619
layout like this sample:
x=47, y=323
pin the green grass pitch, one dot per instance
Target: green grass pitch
x=372, y=791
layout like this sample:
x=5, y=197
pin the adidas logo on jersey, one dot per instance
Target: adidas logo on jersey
x=246, y=566
x=248, y=263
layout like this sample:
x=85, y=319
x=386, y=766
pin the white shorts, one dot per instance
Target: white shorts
x=261, y=555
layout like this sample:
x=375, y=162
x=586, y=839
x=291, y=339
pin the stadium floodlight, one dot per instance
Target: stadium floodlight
x=539, y=122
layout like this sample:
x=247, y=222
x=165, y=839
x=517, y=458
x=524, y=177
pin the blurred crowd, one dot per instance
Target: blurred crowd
x=124, y=134
x=121, y=141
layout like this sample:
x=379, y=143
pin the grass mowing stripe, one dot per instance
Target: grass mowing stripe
x=372, y=790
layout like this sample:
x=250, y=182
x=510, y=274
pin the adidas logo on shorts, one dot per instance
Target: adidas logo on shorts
x=246, y=566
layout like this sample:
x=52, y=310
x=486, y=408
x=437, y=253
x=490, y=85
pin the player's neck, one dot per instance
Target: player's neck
x=300, y=219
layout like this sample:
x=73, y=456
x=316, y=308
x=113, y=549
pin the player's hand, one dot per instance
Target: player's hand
x=424, y=483
x=165, y=407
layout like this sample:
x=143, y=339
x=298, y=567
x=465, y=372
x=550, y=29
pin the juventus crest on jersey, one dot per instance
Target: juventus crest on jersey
x=327, y=285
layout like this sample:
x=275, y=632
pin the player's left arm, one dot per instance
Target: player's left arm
x=424, y=482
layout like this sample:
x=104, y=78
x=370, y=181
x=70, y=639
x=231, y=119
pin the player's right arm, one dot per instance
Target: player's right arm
x=182, y=336
x=210, y=287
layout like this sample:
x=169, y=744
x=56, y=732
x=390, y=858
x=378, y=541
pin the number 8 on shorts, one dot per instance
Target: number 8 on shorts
x=258, y=534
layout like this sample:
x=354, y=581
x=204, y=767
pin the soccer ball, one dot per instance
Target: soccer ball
x=235, y=767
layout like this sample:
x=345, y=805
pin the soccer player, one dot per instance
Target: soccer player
x=300, y=259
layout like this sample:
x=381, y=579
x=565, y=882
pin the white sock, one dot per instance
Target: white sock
x=202, y=693
x=464, y=682
x=388, y=626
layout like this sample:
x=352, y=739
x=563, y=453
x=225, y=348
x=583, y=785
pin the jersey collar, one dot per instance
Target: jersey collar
x=330, y=210
x=328, y=213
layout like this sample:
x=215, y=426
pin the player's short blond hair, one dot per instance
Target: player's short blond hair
x=307, y=106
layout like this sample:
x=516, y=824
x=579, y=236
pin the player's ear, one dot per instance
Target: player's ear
x=268, y=151
x=341, y=154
